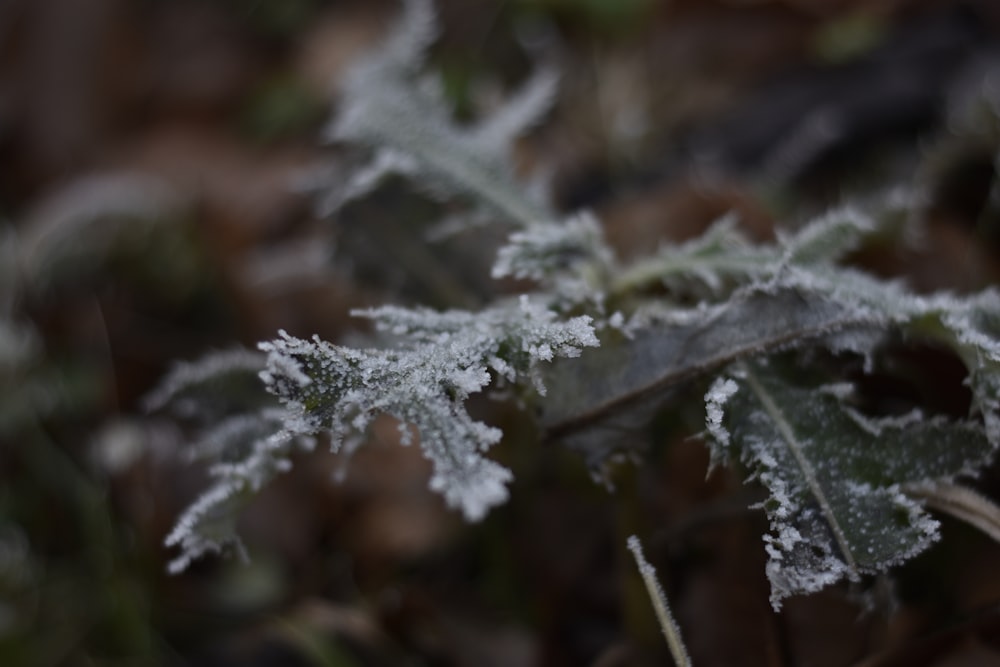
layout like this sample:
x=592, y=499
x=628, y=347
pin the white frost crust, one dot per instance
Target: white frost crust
x=443, y=358
x=715, y=401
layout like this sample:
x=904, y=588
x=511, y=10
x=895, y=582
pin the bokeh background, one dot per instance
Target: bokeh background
x=160, y=162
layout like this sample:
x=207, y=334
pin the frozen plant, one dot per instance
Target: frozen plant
x=848, y=490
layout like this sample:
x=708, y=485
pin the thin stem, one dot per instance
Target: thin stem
x=659, y=599
x=960, y=502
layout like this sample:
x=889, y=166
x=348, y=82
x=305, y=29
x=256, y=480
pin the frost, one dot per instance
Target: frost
x=243, y=436
x=525, y=108
x=715, y=401
x=390, y=106
x=608, y=383
x=703, y=266
x=366, y=179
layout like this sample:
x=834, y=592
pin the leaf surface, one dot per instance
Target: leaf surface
x=615, y=378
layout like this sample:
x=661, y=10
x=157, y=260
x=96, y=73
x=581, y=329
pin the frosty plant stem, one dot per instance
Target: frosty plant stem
x=659, y=599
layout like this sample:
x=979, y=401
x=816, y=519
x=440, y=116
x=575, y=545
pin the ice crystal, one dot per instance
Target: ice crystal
x=534, y=253
x=715, y=402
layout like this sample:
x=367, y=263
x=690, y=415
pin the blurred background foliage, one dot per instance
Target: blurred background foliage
x=158, y=167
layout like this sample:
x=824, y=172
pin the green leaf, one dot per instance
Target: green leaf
x=836, y=507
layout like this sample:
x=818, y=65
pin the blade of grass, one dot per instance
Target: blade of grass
x=659, y=599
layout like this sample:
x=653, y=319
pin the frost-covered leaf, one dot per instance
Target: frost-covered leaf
x=836, y=506
x=541, y=250
x=496, y=133
x=971, y=326
x=402, y=115
x=241, y=436
x=209, y=524
x=829, y=237
x=78, y=225
x=243, y=454
x=609, y=382
x=568, y=258
x=442, y=359
x=217, y=384
x=387, y=104
x=723, y=258
x=366, y=179
x=845, y=487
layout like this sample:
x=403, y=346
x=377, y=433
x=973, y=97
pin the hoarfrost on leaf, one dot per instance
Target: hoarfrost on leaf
x=210, y=368
x=209, y=524
x=443, y=358
x=829, y=237
x=835, y=508
x=568, y=257
x=496, y=133
x=389, y=105
x=542, y=249
x=715, y=401
x=243, y=437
